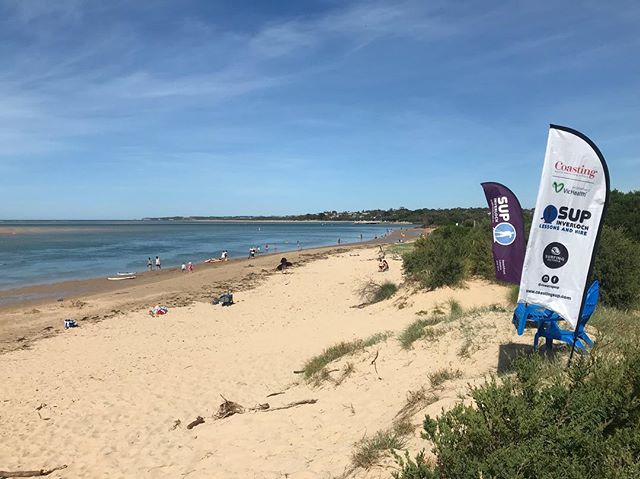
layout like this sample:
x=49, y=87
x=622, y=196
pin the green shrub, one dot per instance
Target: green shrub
x=438, y=259
x=617, y=266
x=543, y=422
x=479, y=256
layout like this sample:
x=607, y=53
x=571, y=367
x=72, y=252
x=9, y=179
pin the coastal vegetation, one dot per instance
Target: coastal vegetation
x=316, y=364
x=544, y=419
x=373, y=292
x=452, y=254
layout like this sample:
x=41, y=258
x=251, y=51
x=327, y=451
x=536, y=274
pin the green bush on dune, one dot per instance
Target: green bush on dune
x=546, y=421
x=451, y=254
x=438, y=259
x=617, y=266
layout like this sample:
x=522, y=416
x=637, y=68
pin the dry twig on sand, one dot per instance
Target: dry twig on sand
x=229, y=408
x=375, y=366
x=39, y=473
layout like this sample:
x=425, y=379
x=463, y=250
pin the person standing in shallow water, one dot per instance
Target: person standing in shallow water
x=158, y=262
x=150, y=264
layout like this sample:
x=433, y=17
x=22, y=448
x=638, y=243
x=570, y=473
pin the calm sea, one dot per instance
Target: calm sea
x=50, y=251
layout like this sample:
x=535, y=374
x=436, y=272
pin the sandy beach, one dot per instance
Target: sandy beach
x=113, y=397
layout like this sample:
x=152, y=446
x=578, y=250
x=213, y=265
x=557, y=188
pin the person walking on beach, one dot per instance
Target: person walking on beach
x=190, y=267
x=158, y=266
x=183, y=268
x=150, y=264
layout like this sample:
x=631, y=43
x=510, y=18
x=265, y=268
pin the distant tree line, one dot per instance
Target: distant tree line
x=422, y=216
x=624, y=212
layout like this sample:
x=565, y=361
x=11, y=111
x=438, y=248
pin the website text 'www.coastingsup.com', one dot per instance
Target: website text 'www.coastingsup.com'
x=549, y=294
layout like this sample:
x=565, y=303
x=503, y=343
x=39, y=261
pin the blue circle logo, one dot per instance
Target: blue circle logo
x=549, y=214
x=504, y=234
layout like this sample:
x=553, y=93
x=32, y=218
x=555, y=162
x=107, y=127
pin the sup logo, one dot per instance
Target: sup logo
x=504, y=234
x=555, y=255
x=576, y=215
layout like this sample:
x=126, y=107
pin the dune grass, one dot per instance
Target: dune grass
x=317, y=363
x=443, y=375
x=455, y=309
x=373, y=292
x=417, y=330
x=400, y=248
x=512, y=295
x=369, y=449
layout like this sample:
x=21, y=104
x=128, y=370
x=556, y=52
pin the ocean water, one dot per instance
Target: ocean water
x=45, y=252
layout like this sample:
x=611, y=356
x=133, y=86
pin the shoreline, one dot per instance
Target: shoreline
x=37, y=293
x=31, y=313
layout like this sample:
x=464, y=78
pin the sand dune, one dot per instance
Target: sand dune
x=105, y=399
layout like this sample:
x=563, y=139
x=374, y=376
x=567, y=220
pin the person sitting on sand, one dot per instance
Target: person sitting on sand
x=283, y=265
x=383, y=266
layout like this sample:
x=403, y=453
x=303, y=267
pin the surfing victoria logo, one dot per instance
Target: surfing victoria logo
x=555, y=255
x=504, y=233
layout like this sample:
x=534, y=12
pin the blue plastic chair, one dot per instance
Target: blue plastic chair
x=550, y=329
x=547, y=320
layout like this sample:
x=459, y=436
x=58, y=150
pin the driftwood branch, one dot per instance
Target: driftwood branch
x=275, y=394
x=229, y=408
x=199, y=420
x=293, y=404
x=40, y=473
x=375, y=366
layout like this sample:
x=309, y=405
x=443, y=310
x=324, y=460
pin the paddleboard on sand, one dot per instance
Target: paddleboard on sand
x=118, y=278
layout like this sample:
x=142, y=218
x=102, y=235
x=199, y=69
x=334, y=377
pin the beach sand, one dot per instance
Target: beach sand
x=113, y=397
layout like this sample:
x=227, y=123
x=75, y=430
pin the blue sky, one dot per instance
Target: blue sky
x=130, y=109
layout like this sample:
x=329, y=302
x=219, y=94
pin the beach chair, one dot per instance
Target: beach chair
x=550, y=330
x=546, y=321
